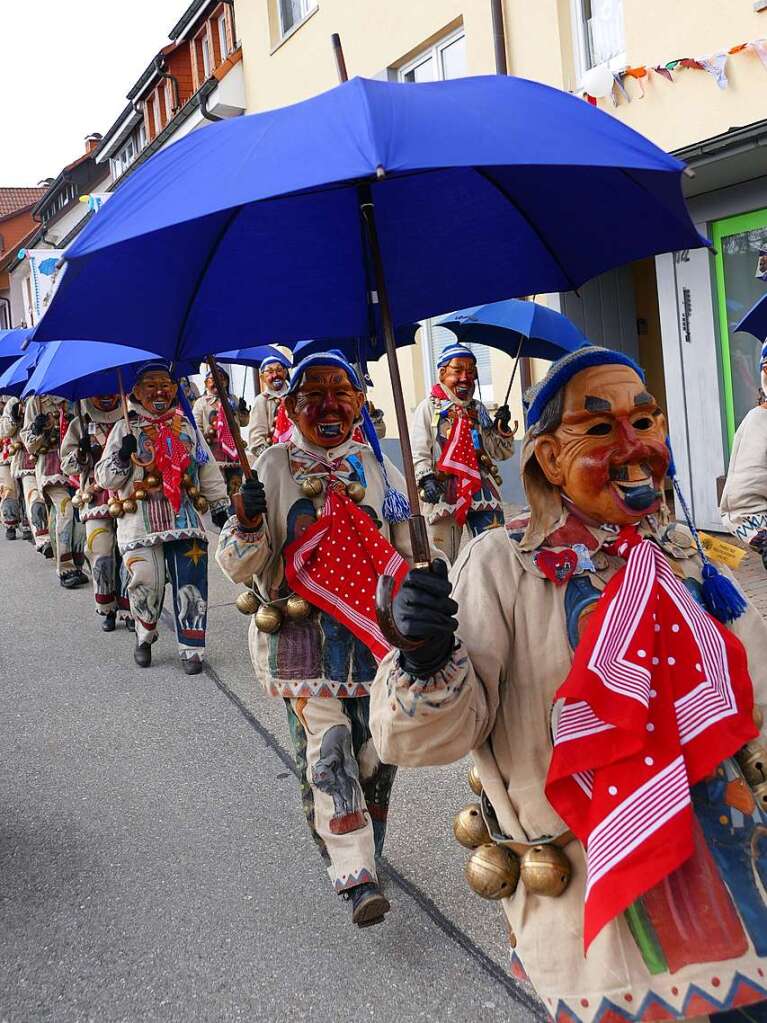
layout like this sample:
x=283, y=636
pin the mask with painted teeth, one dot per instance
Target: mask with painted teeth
x=325, y=406
x=459, y=376
x=608, y=454
x=155, y=391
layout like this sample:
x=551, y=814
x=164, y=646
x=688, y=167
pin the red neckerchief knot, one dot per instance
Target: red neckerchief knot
x=170, y=456
x=657, y=696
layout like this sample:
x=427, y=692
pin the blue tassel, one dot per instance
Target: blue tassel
x=484, y=418
x=395, y=506
x=200, y=454
x=722, y=598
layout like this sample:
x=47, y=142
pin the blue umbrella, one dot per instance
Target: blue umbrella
x=12, y=345
x=755, y=320
x=13, y=379
x=358, y=350
x=516, y=327
x=247, y=356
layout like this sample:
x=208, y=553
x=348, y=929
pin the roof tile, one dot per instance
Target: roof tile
x=12, y=199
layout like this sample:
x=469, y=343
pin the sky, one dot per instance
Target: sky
x=65, y=69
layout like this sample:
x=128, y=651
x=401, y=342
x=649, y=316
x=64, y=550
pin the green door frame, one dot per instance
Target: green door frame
x=721, y=229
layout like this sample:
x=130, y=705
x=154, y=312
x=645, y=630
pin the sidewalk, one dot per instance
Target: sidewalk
x=752, y=578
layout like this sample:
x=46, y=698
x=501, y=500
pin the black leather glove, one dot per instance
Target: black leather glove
x=424, y=609
x=40, y=422
x=253, y=498
x=242, y=406
x=17, y=412
x=502, y=419
x=84, y=449
x=127, y=448
x=431, y=490
x=219, y=518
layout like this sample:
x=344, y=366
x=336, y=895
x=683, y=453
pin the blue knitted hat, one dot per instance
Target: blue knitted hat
x=564, y=369
x=331, y=358
x=455, y=351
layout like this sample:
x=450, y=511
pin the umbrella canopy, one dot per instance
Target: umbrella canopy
x=12, y=345
x=542, y=332
x=13, y=379
x=80, y=369
x=247, y=356
x=755, y=320
x=250, y=230
x=357, y=350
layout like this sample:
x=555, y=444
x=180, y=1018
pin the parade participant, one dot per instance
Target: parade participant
x=81, y=448
x=454, y=444
x=210, y=418
x=636, y=847
x=321, y=522
x=164, y=477
x=10, y=505
x=743, y=506
x=34, y=514
x=46, y=418
x=269, y=423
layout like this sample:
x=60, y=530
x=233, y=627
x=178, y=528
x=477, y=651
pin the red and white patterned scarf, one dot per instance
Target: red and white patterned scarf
x=282, y=425
x=171, y=457
x=459, y=458
x=224, y=434
x=335, y=565
x=657, y=696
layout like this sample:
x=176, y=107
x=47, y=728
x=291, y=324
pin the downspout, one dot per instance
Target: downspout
x=159, y=66
x=499, y=37
x=204, y=93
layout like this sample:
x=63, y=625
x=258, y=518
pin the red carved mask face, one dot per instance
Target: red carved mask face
x=275, y=376
x=325, y=406
x=156, y=391
x=210, y=383
x=106, y=402
x=609, y=454
x=460, y=376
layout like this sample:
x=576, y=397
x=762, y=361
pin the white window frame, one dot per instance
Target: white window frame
x=207, y=54
x=223, y=39
x=435, y=53
x=615, y=63
x=158, y=125
x=306, y=8
x=167, y=98
x=140, y=137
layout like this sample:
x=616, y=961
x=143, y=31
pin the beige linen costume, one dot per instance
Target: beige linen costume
x=744, y=499
x=10, y=505
x=263, y=414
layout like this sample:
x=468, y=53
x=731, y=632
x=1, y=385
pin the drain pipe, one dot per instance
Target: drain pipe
x=160, y=67
x=499, y=37
x=204, y=93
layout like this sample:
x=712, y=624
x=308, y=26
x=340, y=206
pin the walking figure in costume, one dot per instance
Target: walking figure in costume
x=611, y=718
x=323, y=522
x=32, y=511
x=163, y=478
x=10, y=504
x=269, y=423
x=80, y=450
x=211, y=420
x=46, y=418
x=454, y=443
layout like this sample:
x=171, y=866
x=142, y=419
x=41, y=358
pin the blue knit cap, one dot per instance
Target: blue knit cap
x=564, y=369
x=763, y=356
x=277, y=357
x=455, y=351
x=331, y=358
x=153, y=366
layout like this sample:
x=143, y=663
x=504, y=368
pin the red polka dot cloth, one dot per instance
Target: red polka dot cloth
x=459, y=458
x=224, y=433
x=336, y=564
x=657, y=696
x=170, y=456
x=282, y=425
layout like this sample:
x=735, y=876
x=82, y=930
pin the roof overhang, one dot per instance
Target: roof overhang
x=731, y=158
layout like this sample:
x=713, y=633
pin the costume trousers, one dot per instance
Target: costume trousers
x=345, y=788
x=10, y=506
x=68, y=530
x=448, y=537
x=183, y=563
x=104, y=561
x=37, y=513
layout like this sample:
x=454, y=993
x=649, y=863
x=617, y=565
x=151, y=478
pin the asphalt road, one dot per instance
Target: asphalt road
x=154, y=861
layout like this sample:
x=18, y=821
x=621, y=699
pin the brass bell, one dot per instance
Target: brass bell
x=474, y=783
x=140, y=494
x=115, y=509
x=247, y=602
x=77, y=501
x=758, y=717
x=193, y=491
x=545, y=870
x=760, y=795
x=311, y=487
x=187, y=480
x=201, y=504
x=356, y=492
x=296, y=608
x=752, y=760
x=43, y=449
x=129, y=505
x=152, y=480
x=492, y=871
x=469, y=828
x=268, y=618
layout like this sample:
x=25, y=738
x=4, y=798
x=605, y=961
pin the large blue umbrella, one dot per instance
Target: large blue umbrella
x=755, y=320
x=15, y=376
x=516, y=327
x=247, y=356
x=358, y=350
x=12, y=344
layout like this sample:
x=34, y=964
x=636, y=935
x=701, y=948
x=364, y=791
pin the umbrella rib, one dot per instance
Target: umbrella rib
x=528, y=220
x=201, y=276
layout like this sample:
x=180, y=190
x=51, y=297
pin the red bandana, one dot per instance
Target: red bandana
x=171, y=458
x=225, y=438
x=335, y=565
x=459, y=458
x=282, y=425
x=438, y=392
x=657, y=696
x=63, y=424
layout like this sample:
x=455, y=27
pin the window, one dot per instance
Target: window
x=446, y=59
x=223, y=44
x=598, y=32
x=294, y=11
x=140, y=137
x=207, y=64
x=167, y=96
x=156, y=112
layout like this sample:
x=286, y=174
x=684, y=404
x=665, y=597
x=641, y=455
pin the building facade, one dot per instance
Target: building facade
x=689, y=75
x=16, y=226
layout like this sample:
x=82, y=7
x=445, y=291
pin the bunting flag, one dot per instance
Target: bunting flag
x=336, y=563
x=657, y=696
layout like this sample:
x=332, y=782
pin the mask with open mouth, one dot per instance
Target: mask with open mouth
x=275, y=377
x=325, y=406
x=459, y=376
x=155, y=391
x=608, y=453
x=105, y=402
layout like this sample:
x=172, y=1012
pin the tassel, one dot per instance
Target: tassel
x=200, y=454
x=395, y=506
x=722, y=598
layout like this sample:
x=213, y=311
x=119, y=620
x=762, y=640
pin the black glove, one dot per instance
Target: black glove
x=431, y=490
x=424, y=609
x=40, y=422
x=242, y=406
x=127, y=448
x=219, y=518
x=253, y=498
x=17, y=412
x=502, y=419
x=84, y=450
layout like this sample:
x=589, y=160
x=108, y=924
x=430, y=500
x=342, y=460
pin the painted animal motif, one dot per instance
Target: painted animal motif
x=191, y=608
x=336, y=773
x=103, y=570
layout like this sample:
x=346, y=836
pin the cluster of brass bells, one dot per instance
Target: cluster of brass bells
x=269, y=617
x=494, y=871
x=84, y=496
x=313, y=487
x=200, y=502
